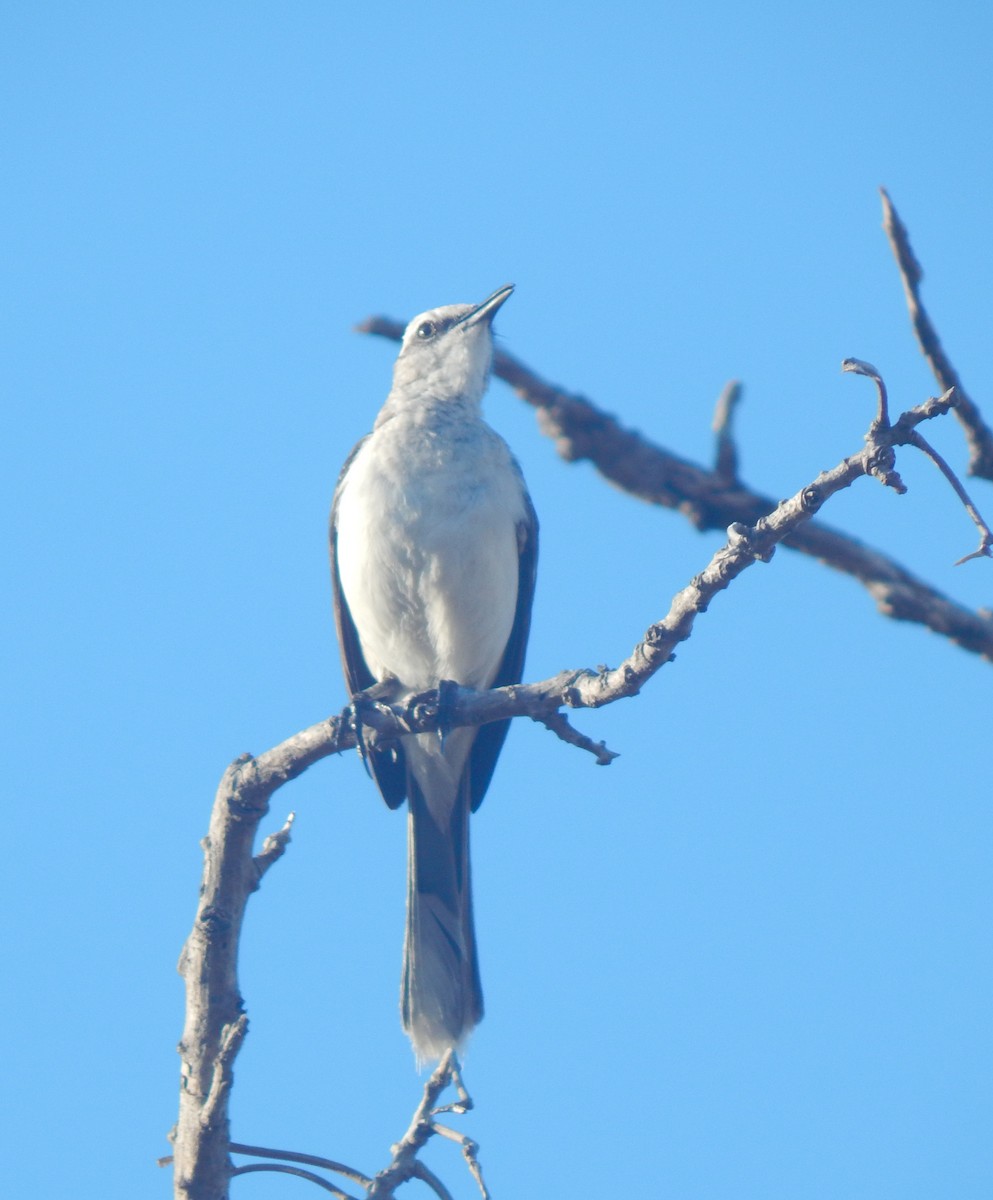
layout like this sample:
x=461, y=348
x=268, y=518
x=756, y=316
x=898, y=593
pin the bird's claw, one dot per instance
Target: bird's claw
x=382, y=692
x=448, y=691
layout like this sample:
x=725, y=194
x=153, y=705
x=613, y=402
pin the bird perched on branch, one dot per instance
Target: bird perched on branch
x=434, y=545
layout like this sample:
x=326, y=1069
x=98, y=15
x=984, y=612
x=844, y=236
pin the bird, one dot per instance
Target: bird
x=434, y=545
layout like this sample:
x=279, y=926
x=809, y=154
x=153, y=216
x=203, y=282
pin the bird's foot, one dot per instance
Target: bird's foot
x=437, y=702
x=381, y=693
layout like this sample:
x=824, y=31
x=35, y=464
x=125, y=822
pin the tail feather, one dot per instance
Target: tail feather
x=441, y=993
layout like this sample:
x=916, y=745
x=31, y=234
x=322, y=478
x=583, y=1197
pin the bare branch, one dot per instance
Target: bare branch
x=977, y=432
x=434, y=1183
x=558, y=723
x=311, y=1176
x=310, y=1160
x=985, y=549
x=649, y=472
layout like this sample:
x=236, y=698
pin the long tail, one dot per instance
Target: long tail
x=441, y=994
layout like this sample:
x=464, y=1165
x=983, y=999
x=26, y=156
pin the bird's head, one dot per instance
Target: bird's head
x=447, y=351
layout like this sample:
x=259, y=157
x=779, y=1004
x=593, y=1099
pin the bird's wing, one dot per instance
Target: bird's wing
x=387, y=766
x=490, y=738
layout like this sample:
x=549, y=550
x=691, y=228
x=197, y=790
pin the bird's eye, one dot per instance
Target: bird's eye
x=425, y=331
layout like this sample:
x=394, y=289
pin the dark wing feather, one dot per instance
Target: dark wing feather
x=489, y=741
x=387, y=766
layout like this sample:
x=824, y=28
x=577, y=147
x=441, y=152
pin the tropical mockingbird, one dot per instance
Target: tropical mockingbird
x=434, y=545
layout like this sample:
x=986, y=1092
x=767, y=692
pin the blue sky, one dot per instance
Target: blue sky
x=750, y=958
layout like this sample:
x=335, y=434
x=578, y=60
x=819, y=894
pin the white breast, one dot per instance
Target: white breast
x=427, y=551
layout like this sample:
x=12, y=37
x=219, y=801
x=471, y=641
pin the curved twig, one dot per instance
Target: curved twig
x=285, y=1169
x=310, y=1160
x=426, y=1176
x=985, y=549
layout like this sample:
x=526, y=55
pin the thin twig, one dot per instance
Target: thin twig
x=284, y=1169
x=311, y=1160
x=470, y=1152
x=882, y=466
x=859, y=367
x=558, y=723
x=977, y=432
x=985, y=549
x=426, y=1176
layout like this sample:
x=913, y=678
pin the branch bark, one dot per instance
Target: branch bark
x=216, y=1023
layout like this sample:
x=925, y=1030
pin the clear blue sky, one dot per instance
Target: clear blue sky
x=752, y=958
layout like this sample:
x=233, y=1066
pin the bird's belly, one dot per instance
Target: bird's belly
x=432, y=592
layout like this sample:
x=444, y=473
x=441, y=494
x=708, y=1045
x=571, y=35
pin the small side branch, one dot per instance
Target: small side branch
x=214, y=1110
x=558, y=723
x=985, y=549
x=274, y=847
x=309, y=1160
x=907, y=435
x=882, y=463
x=858, y=367
x=284, y=1169
x=977, y=432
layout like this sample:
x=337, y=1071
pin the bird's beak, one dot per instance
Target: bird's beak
x=488, y=309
